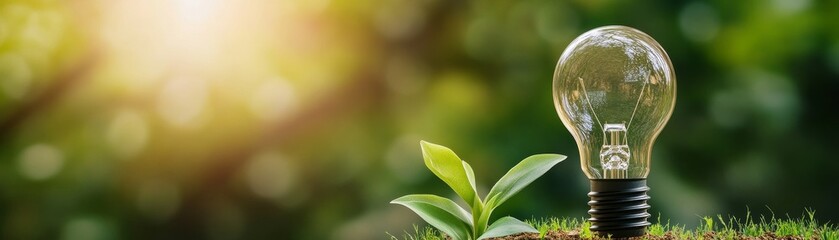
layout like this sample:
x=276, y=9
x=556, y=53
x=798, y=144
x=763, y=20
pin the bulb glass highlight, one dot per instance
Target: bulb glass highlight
x=614, y=89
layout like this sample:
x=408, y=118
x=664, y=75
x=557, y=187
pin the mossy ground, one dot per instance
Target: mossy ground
x=804, y=227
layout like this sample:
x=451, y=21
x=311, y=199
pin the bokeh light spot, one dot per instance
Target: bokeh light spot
x=729, y=108
x=791, y=6
x=40, y=162
x=273, y=100
x=16, y=76
x=42, y=30
x=699, y=22
x=181, y=101
x=777, y=99
x=400, y=19
x=270, y=175
x=128, y=133
x=757, y=97
x=761, y=170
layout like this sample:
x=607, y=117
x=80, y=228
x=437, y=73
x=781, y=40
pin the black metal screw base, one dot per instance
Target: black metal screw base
x=619, y=207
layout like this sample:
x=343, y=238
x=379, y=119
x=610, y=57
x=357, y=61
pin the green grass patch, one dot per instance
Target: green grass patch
x=718, y=227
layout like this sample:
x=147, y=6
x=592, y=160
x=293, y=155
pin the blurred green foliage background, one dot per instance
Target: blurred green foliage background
x=193, y=119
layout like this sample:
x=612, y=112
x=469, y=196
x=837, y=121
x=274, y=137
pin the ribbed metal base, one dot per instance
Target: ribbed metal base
x=619, y=207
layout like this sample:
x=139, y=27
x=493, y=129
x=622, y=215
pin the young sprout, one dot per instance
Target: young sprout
x=456, y=222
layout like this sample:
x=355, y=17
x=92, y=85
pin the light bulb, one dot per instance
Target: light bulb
x=614, y=89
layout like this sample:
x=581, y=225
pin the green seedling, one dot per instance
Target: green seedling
x=445, y=215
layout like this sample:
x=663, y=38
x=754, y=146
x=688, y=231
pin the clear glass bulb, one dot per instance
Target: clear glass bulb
x=614, y=89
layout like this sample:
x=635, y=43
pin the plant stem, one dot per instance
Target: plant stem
x=477, y=227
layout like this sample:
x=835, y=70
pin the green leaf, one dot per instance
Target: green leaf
x=482, y=219
x=470, y=174
x=444, y=163
x=440, y=212
x=507, y=226
x=519, y=177
x=437, y=201
x=477, y=209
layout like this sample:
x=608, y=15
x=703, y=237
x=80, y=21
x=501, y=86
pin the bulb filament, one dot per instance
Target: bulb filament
x=615, y=154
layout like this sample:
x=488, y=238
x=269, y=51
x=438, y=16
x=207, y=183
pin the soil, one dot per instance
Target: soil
x=667, y=236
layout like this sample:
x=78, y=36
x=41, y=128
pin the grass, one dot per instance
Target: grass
x=719, y=227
